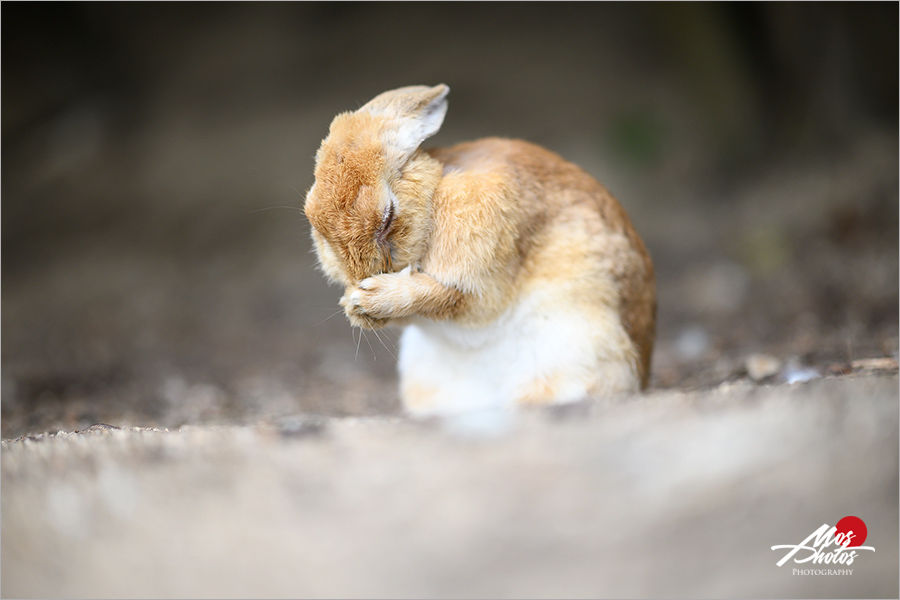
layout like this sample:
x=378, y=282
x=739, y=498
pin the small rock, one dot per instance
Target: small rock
x=875, y=364
x=795, y=374
x=101, y=427
x=761, y=366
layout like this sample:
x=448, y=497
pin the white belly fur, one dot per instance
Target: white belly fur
x=531, y=354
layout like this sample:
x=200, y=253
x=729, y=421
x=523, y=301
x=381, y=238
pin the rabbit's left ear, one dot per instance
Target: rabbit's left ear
x=416, y=111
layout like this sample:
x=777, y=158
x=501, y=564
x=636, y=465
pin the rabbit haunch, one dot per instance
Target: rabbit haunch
x=517, y=276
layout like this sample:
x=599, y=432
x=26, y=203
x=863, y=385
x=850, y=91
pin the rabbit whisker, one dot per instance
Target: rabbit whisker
x=371, y=349
x=297, y=208
x=383, y=344
x=332, y=315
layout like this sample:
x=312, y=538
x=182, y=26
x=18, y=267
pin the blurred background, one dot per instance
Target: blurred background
x=156, y=265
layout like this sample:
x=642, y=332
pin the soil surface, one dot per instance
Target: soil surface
x=674, y=494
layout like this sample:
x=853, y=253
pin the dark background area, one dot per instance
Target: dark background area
x=156, y=268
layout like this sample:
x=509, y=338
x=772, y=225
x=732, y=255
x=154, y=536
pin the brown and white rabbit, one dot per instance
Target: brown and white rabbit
x=518, y=277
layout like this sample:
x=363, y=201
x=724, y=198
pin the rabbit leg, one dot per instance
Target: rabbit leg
x=398, y=295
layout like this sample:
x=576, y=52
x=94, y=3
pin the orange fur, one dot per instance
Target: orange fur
x=464, y=235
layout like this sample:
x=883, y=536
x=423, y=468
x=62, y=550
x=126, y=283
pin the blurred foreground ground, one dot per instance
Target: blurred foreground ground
x=676, y=495
x=156, y=273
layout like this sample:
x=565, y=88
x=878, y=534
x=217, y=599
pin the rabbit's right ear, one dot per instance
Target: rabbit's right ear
x=416, y=112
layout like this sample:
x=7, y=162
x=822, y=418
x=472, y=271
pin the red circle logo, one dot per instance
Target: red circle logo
x=852, y=527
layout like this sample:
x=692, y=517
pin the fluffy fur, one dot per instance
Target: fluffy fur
x=518, y=277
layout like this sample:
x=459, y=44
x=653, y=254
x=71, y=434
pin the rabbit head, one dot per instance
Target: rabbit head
x=370, y=205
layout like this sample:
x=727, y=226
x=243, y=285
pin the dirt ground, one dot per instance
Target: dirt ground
x=157, y=277
x=671, y=495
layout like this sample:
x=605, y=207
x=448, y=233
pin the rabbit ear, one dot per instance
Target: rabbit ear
x=416, y=111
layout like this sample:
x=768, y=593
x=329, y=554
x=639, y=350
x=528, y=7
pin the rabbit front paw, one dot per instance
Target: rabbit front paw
x=376, y=300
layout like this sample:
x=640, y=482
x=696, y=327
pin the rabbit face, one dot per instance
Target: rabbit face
x=351, y=206
x=370, y=206
x=368, y=213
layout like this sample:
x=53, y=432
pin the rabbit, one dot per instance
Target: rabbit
x=517, y=278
